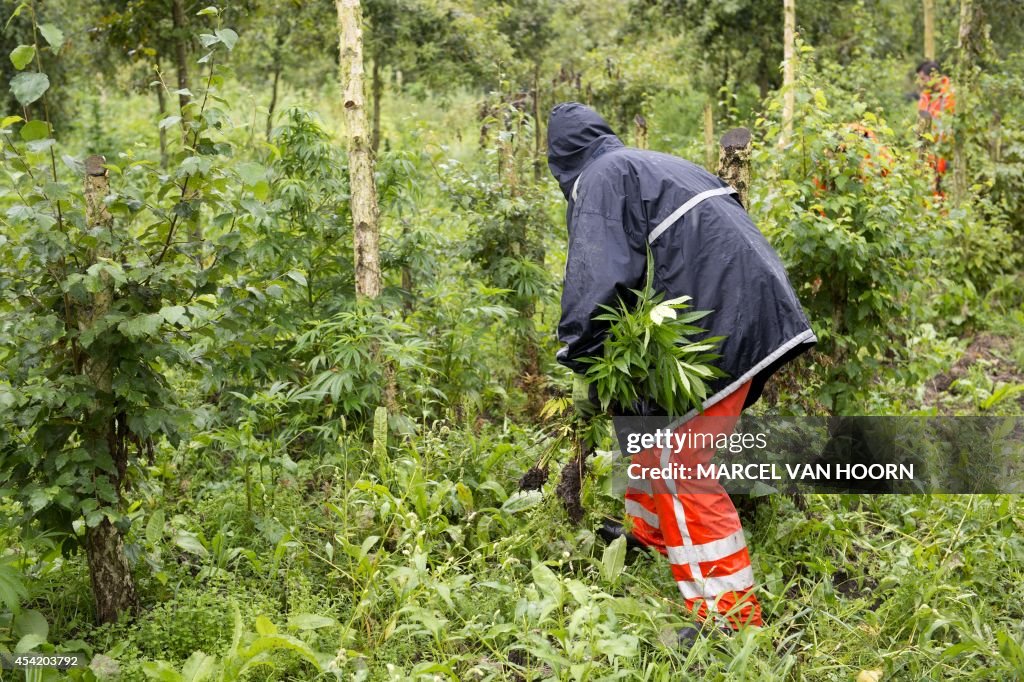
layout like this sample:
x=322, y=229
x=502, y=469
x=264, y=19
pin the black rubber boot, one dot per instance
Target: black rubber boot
x=690, y=634
x=611, y=530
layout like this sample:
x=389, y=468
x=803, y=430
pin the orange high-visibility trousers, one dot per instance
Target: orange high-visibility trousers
x=696, y=525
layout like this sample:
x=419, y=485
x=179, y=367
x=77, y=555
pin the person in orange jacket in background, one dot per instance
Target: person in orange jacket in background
x=935, y=106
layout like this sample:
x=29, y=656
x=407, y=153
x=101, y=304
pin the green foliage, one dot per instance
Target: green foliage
x=12, y=588
x=849, y=206
x=989, y=121
x=467, y=325
x=22, y=55
x=248, y=650
x=176, y=628
x=435, y=47
x=159, y=273
x=511, y=223
x=391, y=543
x=34, y=45
x=648, y=354
x=348, y=355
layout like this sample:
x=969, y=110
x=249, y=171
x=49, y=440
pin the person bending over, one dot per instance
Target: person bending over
x=622, y=202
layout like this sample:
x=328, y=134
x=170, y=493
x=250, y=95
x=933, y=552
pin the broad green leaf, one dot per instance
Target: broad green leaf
x=207, y=11
x=29, y=643
x=155, y=527
x=166, y=123
x=1010, y=648
x=624, y=645
x=35, y=130
x=368, y=543
x=613, y=559
x=161, y=671
x=228, y=37
x=22, y=56
x=276, y=643
x=580, y=592
x=198, y=667
x=237, y=629
x=310, y=621
x=174, y=314
x=522, y=500
x=30, y=622
x=190, y=543
x=54, y=36
x=40, y=145
x=251, y=172
x=39, y=498
x=434, y=669
x=12, y=588
x=662, y=312
x=141, y=326
x=264, y=626
x=10, y=120
x=28, y=87
x=547, y=581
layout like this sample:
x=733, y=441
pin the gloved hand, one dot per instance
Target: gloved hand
x=581, y=401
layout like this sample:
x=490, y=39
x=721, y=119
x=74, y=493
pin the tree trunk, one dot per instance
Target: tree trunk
x=376, y=92
x=972, y=42
x=640, y=124
x=181, y=51
x=113, y=587
x=734, y=161
x=507, y=171
x=161, y=101
x=409, y=286
x=710, y=151
x=363, y=202
x=929, y=29
x=273, y=97
x=788, y=70
x=538, y=131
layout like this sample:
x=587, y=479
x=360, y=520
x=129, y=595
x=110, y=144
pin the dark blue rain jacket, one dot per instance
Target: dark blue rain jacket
x=703, y=243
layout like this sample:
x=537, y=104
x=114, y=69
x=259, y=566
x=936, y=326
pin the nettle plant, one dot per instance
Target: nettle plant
x=106, y=270
x=649, y=355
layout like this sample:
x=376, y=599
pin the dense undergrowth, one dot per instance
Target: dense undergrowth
x=430, y=563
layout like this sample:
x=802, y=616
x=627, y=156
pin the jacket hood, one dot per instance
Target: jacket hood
x=576, y=135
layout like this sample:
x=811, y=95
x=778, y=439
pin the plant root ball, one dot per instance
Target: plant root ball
x=534, y=478
x=570, y=483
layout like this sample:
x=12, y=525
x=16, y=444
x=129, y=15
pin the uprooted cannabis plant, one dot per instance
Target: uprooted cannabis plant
x=651, y=354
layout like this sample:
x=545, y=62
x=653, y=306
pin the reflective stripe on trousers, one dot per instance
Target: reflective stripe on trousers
x=699, y=533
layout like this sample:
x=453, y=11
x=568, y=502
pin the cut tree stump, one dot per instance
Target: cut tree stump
x=734, y=161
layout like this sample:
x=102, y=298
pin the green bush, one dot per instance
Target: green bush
x=849, y=205
x=194, y=619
